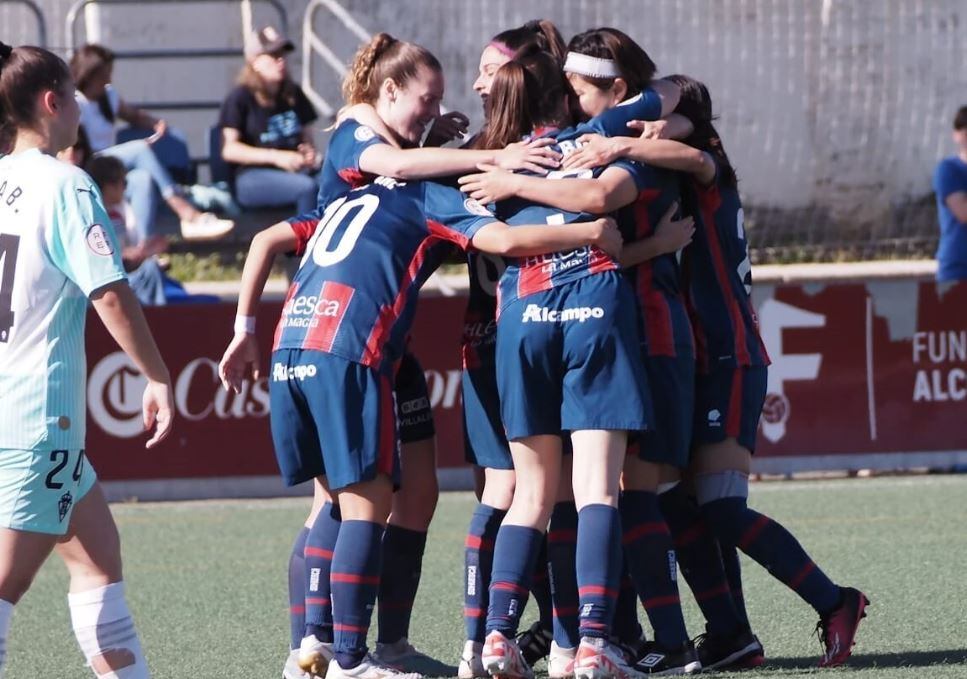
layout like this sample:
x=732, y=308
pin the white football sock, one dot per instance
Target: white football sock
x=105, y=632
x=6, y=610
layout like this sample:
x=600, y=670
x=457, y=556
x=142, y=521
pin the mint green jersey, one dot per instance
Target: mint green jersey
x=57, y=246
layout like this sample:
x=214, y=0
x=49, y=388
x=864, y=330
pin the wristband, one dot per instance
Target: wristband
x=245, y=324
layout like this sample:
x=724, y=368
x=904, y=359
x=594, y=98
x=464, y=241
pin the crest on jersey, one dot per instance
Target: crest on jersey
x=64, y=505
x=98, y=241
x=474, y=207
x=364, y=133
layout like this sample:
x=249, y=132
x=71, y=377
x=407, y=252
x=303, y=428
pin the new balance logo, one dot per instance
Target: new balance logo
x=586, y=610
x=471, y=581
x=314, y=579
x=541, y=314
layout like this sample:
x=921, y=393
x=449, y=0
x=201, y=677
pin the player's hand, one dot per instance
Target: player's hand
x=156, y=411
x=312, y=158
x=674, y=234
x=594, y=151
x=651, y=129
x=240, y=360
x=607, y=237
x=446, y=128
x=160, y=128
x=490, y=185
x=290, y=161
x=533, y=156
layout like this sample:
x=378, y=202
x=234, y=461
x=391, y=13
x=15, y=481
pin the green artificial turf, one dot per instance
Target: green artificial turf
x=206, y=582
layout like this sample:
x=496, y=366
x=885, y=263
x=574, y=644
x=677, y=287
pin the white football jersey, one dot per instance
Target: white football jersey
x=57, y=246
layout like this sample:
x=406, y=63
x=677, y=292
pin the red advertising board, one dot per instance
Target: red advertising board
x=859, y=371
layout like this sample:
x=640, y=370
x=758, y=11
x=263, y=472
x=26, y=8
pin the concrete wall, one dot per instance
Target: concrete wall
x=834, y=111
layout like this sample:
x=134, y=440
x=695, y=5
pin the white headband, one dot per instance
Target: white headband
x=593, y=67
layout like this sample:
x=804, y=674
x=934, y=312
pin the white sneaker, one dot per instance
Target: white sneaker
x=502, y=658
x=369, y=668
x=471, y=662
x=206, y=227
x=401, y=655
x=599, y=659
x=560, y=661
x=314, y=656
x=292, y=669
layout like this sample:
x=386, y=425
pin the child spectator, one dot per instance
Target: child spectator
x=266, y=126
x=92, y=67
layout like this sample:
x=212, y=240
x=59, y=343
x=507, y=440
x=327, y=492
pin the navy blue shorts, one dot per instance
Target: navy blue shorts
x=672, y=383
x=728, y=403
x=331, y=417
x=485, y=443
x=568, y=359
x=413, y=412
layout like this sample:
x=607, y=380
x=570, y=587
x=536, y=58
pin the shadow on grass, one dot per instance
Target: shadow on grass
x=867, y=660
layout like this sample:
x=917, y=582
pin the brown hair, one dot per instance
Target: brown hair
x=86, y=64
x=106, y=170
x=540, y=32
x=249, y=78
x=527, y=92
x=696, y=105
x=384, y=57
x=636, y=67
x=960, y=120
x=25, y=72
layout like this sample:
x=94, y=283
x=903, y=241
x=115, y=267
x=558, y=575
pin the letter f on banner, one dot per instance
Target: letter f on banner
x=774, y=317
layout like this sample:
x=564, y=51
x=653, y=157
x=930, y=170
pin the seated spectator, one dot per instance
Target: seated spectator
x=950, y=185
x=139, y=255
x=92, y=67
x=266, y=129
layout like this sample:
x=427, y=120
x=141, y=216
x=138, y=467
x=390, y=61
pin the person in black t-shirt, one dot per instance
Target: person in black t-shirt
x=266, y=126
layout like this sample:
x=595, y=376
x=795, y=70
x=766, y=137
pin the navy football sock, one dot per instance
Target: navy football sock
x=733, y=572
x=402, y=564
x=320, y=544
x=700, y=560
x=598, y=568
x=652, y=565
x=297, y=589
x=515, y=553
x=478, y=565
x=774, y=548
x=355, y=581
x=626, y=628
x=562, y=542
x=541, y=587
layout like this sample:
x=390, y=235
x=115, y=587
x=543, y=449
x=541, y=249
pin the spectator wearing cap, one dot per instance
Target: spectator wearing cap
x=950, y=185
x=266, y=127
x=92, y=67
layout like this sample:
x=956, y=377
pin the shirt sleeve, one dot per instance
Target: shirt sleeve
x=82, y=241
x=233, y=111
x=304, y=108
x=946, y=180
x=348, y=143
x=452, y=216
x=614, y=121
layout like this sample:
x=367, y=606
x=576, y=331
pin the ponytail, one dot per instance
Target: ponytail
x=383, y=57
x=509, y=109
x=537, y=32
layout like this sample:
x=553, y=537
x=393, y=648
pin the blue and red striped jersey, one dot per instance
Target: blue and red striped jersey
x=480, y=321
x=718, y=278
x=363, y=263
x=657, y=282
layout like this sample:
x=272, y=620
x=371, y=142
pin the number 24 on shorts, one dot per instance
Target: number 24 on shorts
x=60, y=458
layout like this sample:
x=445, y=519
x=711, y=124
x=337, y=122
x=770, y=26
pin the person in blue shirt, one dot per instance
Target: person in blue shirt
x=950, y=185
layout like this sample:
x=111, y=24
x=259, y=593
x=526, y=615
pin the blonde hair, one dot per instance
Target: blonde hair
x=384, y=57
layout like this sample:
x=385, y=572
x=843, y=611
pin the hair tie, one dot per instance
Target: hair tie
x=592, y=67
x=502, y=48
x=5, y=52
